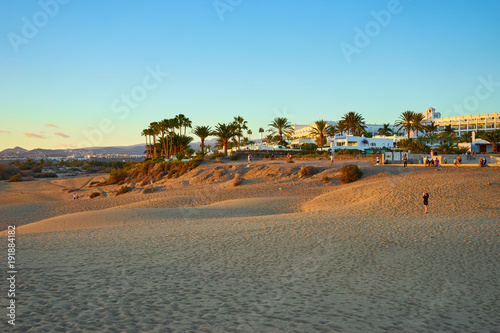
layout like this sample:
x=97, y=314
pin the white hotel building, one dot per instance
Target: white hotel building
x=306, y=131
x=460, y=124
x=463, y=124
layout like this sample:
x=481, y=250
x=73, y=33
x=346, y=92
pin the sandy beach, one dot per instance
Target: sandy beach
x=278, y=253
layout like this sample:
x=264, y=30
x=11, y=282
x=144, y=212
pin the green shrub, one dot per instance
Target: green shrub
x=7, y=171
x=307, y=170
x=124, y=189
x=116, y=176
x=234, y=157
x=237, y=180
x=15, y=178
x=350, y=173
x=94, y=194
x=171, y=173
x=309, y=146
x=46, y=174
x=179, y=155
x=216, y=155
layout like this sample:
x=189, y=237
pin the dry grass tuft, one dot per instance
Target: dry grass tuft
x=237, y=180
x=307, y=170
x=350, y=173
x=147, y=190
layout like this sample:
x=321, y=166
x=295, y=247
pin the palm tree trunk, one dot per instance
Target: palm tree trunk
x=163, y=144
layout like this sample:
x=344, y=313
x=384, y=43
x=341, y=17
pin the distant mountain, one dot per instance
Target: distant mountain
x=13, y=151
x=137, y=149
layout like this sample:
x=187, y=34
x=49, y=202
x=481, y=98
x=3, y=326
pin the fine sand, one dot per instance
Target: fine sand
x=277, y=253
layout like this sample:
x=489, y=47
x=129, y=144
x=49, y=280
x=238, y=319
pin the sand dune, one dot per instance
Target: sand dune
x=273, y=255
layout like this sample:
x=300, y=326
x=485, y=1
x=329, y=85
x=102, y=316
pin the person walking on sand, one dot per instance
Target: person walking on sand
x=249, y=158
x=332, y=157
x=74, y=196
x=405, y=161
x=426, y=201
x=378, y=160
x=455, y=162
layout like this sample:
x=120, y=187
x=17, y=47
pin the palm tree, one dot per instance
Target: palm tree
x=155, y=128
x=202, y=132
x=187, y=123
x=385, y=130
x=241, y=124
x=340, y=128
x=181, y=142
x=493, y=137
x=163, y=127
x=145, y=133
x=225, y=132
x=282, y=126
x=270, y=138
x=320, y=129
x=180, y=120
x=405, y=122
x=173, y=123
x=448, y=135
x=431, y=128
x=249, y=132
x=466, y=137
x=417, y=122
x=448, y=129
x=355, y=123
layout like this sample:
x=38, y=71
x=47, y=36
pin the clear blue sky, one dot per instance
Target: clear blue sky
x=263, y=59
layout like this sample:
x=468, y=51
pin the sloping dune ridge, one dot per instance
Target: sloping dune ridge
x=277, y=253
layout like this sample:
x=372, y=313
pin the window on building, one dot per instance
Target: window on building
x=340, y=143
x=352, y=143
x=373, y=144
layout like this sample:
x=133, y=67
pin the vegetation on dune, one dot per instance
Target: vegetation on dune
x=116, y=176
x=94, y=195
x=150, y=170
x=124, y=189
x=307, y=170
x=7, y=171
x=46, y=174
x=350, y=173
x=237, y=180
x=15, y=178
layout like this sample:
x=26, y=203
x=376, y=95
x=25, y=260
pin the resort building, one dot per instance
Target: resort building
x=306, y=131
x=362, y=143
x=464, y=124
